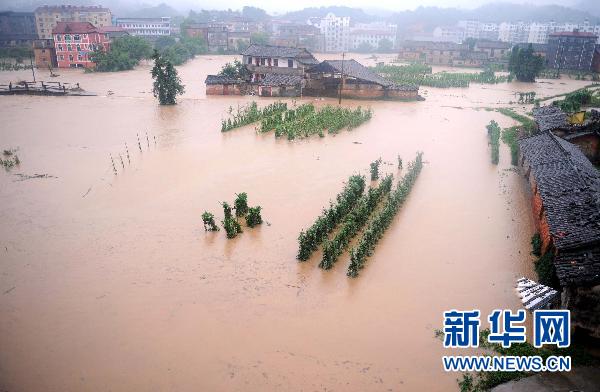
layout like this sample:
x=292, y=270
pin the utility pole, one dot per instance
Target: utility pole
x=341, y=79
x=32, y=71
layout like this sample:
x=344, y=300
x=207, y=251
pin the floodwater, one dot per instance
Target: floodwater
x=110, y=282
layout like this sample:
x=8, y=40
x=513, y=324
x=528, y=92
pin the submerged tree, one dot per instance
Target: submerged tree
x=231, y=226
x=399, y=162
x=241, y=204
x=525, y=64
x=167, y=84
x=253, y=218
x=375, y=169
x=209, y=222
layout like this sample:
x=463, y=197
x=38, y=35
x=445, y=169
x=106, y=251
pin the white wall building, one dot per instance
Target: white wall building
x=146, y=27
x=448, y=34
x=371, y=37
x=336, y=31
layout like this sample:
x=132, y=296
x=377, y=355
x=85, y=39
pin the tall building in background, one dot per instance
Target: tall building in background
x=17, y=28
x=46, y=17
x=146, y=27
x=336, y=31
x=571, y=50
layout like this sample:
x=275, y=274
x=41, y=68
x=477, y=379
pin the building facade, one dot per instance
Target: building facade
x=262, y=60
x=146, y=27
x=75, y=41
x=571, y=50
x=216, y=35
x=44, y=53
x=336, y=32
x=17, y=28
x=47, y=17
x=373, y=38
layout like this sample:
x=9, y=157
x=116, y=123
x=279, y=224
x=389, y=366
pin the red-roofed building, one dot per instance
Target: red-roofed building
x=75, y=41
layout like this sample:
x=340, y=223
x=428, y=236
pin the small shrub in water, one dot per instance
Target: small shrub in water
x=231, y=226
x=209, y=222
x=375, y=169
x=253, y=218
x=241, y=204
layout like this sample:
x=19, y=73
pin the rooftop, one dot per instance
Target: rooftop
x=272, y=79
x=74, y=27
x=221, y=79
x=300, y=54
x=549, y=117
x=569, y=186
x=492, y=45
x=580, y=34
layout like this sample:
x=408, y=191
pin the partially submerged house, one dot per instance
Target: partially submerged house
x=356, y=81
x=566, y=206
x=585, y=134
x=277, y=71
x=262, y=60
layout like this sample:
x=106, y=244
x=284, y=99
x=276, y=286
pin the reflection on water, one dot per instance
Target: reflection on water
x=110, y=282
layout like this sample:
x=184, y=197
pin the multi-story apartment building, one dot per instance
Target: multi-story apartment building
x=513, y=32
x=336, y=31
x=449, y=34
x=371, y=37
x=297, y=35
x=75, y=41
x=47, y=17
x=216, y=34
x=17, y=28
x=571, y=50
x=146, y=27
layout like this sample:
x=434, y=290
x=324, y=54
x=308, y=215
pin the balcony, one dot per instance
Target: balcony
x=264, y=69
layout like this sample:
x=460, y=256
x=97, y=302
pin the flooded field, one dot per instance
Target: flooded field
x=110, y=282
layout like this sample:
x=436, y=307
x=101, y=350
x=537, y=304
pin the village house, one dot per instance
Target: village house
x=261, y=60
x=495, y=50
x=566, y=206
x=453, y=54
x=357, y=81
x=75, y=41
x=216, y=35
x=586, y=135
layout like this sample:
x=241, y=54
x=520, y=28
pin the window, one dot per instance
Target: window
x=69, y=48
x=61, y=57
x=67, y=37
x=290, y=63
x=76, y=37
x=78, y=48
x=276, y=62
x=249, y=60
x=262, y=61
x=70, y=57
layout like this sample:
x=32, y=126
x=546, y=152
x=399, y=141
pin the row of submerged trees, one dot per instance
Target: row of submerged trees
x=230, y=223
x=353, y=210
x=250, y=114
x=421, y=75
x=382, y=219
x=493, y=130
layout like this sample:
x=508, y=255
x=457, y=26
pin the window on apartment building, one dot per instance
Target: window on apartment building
x=290, y=63
x=61, y=57
x=67, y=37
x=69, y=48
x=249, y=61
x=78, y=47
x=60, y=48
x=70, y=57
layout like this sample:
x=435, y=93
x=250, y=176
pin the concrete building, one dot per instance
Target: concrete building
x=46, y=17
x=513, y=32
x=571, y=50
x=297, y=35
x=146, y=27
x=371, y=37
x=17, y=28
x=44, y=53
x=336, y=31
x=449, y=34
x=216, y=35
x=75, y=41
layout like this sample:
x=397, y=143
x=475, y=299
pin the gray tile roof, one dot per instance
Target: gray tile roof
x=300, y=54
x=273, y=79
x=569, y=186
x=549, y=117
x=221, y=79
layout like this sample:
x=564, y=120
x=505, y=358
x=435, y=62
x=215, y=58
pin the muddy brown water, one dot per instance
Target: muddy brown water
x=110, y=282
